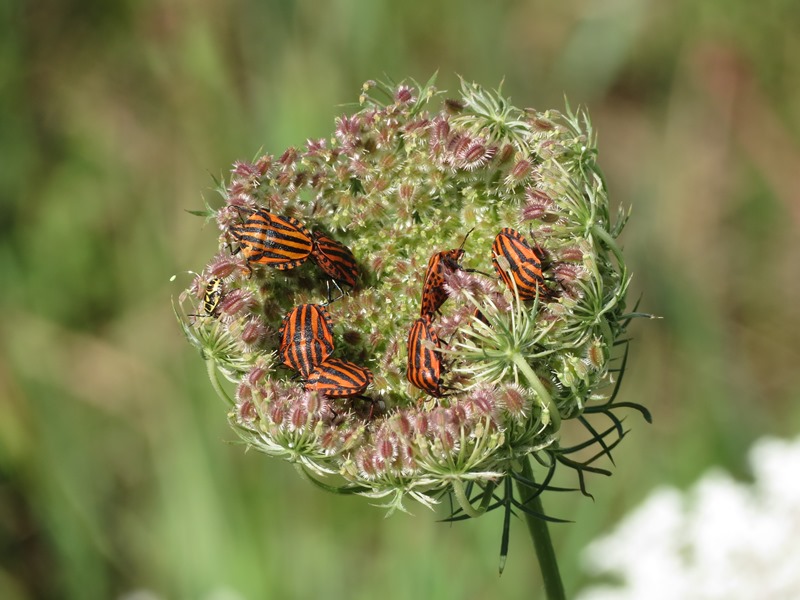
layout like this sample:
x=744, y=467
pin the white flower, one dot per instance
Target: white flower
x=720, y=540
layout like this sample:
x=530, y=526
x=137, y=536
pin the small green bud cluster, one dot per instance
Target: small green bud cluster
x=398, y=182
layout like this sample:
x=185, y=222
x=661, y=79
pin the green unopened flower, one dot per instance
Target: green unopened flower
x=401, y=180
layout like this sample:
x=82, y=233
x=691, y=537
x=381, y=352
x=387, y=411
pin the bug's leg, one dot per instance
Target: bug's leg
x=328, y=287
x=480, y=272
x=373, y=405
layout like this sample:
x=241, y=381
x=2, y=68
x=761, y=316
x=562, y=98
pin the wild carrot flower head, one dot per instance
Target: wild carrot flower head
x=420, y=301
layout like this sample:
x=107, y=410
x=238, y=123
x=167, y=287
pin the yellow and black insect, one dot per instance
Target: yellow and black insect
x=211, y=298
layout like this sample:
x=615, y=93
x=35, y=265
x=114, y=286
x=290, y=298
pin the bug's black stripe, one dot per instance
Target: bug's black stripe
x=306, y=338
x=257, y=251
x=516, y=251
x=530, y=273
x=427, y=381
x=525, y=250
x=339, y=378
x=335, y=259
x=427, y=357
x=240, y=237
x=278, y=251
x=289, y=349
x=259, y=239
x=267, y=253
x=433, y=292
x=263, y=216
x=289, y=223
x=278, y=240
x=353, y=373
x=424, y=352
x=335, y=251
x=286, y=224
x=341, y=260
x=318, y=352
x=269, y=238
x=525, y=265
x=424, y=365
x=338, y=272
x=289, y=235
x=331, y=267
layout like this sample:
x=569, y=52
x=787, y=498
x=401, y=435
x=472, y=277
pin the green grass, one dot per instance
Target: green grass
x=118, y=471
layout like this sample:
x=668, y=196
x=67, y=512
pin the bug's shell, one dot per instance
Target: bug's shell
x=525, y=263
x=273, y=240
x=335, y=259
x=424, y=369
x=306, y=338
x=433, y=292
x=337, y=378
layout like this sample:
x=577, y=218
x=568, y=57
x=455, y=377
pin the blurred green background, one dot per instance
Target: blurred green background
x=119, y=477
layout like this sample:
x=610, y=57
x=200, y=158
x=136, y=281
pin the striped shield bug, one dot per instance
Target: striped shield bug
x=424, y=369
x=272, y=240
x=433, y=292
x=524, y=264
x=337, y=378
x=306, y=338
x=335, y=259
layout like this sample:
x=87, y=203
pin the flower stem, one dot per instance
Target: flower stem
x=211, y=369
x=540, y=535
x=544, y=397
x=463, y=501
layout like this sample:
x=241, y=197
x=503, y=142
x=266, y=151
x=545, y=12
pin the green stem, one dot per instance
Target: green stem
x=463, y=501
x=544, y=396
x=540, y=535
x=609, y=241
x=211, y=369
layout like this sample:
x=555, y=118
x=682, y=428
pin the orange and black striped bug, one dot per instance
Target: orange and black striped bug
x=306, y=338
x=335, y=259
x=424, y=369
x=272, y=240
x=525, y=264
x=433, y=292
x=337, y=378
